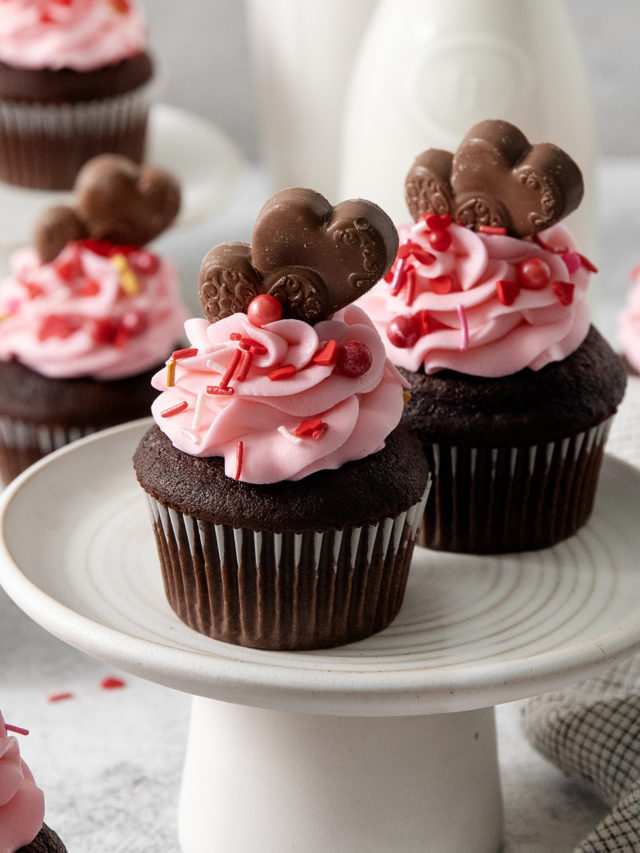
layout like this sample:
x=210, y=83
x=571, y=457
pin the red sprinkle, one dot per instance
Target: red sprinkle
x=103, y=330
x=89, y=287
x=586, y=263
x=69, y=269
x=235, y=336
x=145, y=263
x=112, y=683
x=253, y=346
x=184, y=353
x=228, y=374
x=492, y=229
x=507, y=291
x=59, y=697
x=56, y=326
x=327, y=354
x=245, y=364
x=217, y=389
x=414, y=249
x=33, y=290
x=564, y=291
x=174, y=410
x=441, y=284
x=436, y=221
x=239, y=458
x=311, y=428
x=411, y=284
x=284, y=372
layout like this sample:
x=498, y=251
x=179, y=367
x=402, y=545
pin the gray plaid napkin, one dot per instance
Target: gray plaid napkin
x=591, y=730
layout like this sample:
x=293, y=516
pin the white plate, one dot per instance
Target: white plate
x=77, y=554
x=200, y=155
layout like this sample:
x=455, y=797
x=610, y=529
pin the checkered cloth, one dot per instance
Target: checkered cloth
x=591, y=730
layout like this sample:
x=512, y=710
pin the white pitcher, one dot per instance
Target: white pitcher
x=303, y=53
x=429, y=69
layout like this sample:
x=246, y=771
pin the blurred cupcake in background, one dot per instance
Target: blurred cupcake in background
x=75, y=81
x=629, y=326
x=87, y=313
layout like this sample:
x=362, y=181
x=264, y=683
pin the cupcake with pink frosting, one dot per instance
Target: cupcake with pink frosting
x=22, y=827
x=485, y=313
x=76, y=80
x=86, y=313
x=629, y=326
x=285, y=499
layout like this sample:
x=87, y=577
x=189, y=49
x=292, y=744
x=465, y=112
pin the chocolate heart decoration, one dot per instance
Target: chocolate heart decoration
x=116, y=200
x=496, y=178
x=314, y=258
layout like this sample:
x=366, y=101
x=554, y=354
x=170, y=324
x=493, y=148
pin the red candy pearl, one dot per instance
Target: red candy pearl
x=533, y=273
x=439, y=240
x=403, y=331
x=264, y=309
x=354, y=359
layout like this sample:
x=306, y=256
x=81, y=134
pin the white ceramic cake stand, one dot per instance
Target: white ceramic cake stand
x=384, y=745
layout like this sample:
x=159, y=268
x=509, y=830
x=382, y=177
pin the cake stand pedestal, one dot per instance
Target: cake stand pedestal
x=386, y=744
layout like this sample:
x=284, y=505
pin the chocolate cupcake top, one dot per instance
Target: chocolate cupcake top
x=87, y=299
x=486, y=282
x=276, y=384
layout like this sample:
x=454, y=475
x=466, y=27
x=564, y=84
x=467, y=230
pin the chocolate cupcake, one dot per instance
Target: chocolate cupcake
x=76, y=81
x=284, y=498
x=22, y=829
x=485, y=313
x=86, y=312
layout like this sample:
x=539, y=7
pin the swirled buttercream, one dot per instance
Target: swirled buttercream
x=97, y=310
x=473, y=302
x=276, y=401
x=21, y=801
x=79, y=34
x=629, y=324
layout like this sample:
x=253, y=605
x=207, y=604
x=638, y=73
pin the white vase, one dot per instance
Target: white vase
x=303, y=52
x=430, y=69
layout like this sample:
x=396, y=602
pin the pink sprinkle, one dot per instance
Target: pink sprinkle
x=396, y=282
x=17, y=729
x=59, y=697
x=572, y=261
x=464, y=329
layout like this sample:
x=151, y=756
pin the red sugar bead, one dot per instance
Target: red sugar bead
x=533, y=273
x=354, y=358
x=439, y=240
x=264, y=309
x=403, y=331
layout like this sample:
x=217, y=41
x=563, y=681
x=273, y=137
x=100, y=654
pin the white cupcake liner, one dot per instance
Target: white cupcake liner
x=21, y=443
x=500, y=499
x=42, y=142
x=285, y=590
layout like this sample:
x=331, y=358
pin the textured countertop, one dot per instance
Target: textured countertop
x=110, y=760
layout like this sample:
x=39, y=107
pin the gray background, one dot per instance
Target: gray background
x=203, y=47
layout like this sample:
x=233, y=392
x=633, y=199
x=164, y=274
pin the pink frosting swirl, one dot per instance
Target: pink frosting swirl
x=97, y=310
x=629, y=323
x=77, y=34
x=21, y=801
x=468, y=306
x=292, y=408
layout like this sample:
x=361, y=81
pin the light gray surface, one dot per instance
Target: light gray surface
x=205, y=57
x=110, y=761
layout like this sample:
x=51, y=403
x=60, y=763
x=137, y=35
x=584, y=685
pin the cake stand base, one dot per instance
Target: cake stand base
x=268, y=781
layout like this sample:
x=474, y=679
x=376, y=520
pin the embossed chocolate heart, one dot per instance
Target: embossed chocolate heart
x=314, y=258
x=116, y=200
x=496, y=178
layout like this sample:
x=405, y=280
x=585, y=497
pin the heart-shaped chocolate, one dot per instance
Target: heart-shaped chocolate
x=496, y=178
x=116, y=200
x=314, y=258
